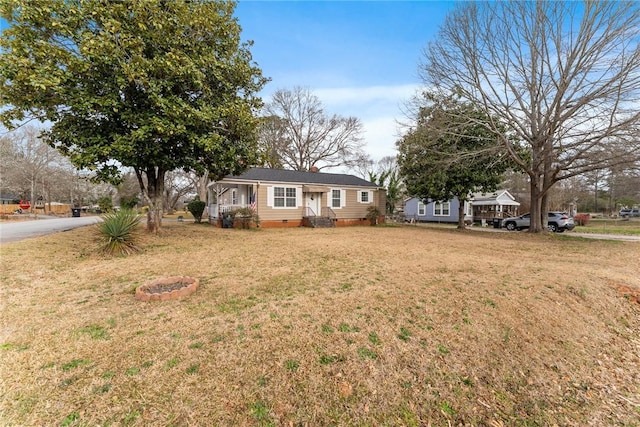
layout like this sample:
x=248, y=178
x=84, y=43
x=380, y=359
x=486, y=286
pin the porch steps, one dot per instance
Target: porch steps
x=320, y=222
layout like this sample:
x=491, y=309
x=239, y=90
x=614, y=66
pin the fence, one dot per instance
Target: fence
x=57, y=209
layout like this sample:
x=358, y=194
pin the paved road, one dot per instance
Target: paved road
x=14, y=231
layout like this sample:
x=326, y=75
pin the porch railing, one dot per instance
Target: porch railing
x=308, y=212
x=222, y=209
x=328, y=212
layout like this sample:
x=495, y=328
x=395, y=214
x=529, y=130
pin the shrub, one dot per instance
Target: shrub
x=582, y=219
x=118, y=232
x=372, y=214
x=105, y=204
x=244, y=217
x=196, y=207
x=128, y=202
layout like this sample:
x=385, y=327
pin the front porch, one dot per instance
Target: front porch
x=326, y=219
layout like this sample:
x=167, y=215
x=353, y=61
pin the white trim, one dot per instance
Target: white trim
x=442, y=205
x=271, y=196
x=369, y=194
x=330, y=198
x=424, y=209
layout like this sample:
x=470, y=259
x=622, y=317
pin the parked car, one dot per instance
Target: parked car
x=629, y=212
x=557, y=222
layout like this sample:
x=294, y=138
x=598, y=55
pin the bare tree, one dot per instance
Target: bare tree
x=272, y=141
x=563, y=76
x=362, y=166
x=307, y=136
x=28, y=164
x=177, y=184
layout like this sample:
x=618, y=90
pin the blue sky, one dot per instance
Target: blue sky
x=359, y=57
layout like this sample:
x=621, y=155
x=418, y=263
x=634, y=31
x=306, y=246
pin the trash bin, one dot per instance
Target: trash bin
x=497, y=222
x=227, y=221
x=75, y=212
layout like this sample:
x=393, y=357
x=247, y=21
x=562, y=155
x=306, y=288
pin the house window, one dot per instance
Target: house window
x=336, y=200
x=422, y=209
x=363, y=196
x=441, y=209
x=234, y=197
x=284, y=197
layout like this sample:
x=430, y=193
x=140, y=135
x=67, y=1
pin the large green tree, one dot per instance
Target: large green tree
x=450, y=153
x=154, y=85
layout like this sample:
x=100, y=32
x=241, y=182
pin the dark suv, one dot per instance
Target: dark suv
x=557, y=222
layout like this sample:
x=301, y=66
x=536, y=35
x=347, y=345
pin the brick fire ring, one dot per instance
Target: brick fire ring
x=167, y=288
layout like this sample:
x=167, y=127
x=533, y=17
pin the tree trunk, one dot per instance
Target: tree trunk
x=154, y=215
x=201, y=187
x=32, y=195
x=461, y=225
x=153, y=193
x=535, y=225
x=544, y=211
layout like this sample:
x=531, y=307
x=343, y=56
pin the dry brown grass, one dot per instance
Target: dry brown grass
x=350, y=326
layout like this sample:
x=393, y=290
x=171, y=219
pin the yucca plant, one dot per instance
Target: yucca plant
x=118, y=232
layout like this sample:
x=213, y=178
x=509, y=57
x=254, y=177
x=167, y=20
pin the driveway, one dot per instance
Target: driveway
x=607, y=236
x=13, y=231
x=596, y=236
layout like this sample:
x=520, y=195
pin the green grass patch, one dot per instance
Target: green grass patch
x=132, y=371
x=344, y=327
x=292, y=365
x=447, y=408
x=261, y=412
x=366, y=353
x=70, y=419
x=327, y=329
x=404, y=334
x=374, y=338
x=328, y=359
x=95, y=332
x=172, y=362
x=75, y=364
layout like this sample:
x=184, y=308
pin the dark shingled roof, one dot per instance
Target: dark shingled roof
x=281, y=175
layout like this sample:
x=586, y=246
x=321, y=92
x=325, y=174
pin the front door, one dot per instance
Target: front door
x=312, y=201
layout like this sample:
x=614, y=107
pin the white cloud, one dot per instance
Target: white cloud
x=380, y=135
x=380, y=108
x=366, y=95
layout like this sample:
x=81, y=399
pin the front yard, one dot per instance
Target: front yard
x=387, y=325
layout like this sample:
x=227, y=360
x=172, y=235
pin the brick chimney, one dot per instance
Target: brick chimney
x=313, y=169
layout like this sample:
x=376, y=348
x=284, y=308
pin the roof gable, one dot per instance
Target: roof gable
x=299, y=177
x=500, y=197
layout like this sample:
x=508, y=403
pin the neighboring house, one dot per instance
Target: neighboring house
x=8, y=199
x=286, y=198
x=415, y=210
x=499, y=204
x=481, y=208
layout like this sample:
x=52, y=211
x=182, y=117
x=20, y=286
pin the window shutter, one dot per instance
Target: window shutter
x=343, y=198
x=371, y=196
x=298, y=196
x=270, y=197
